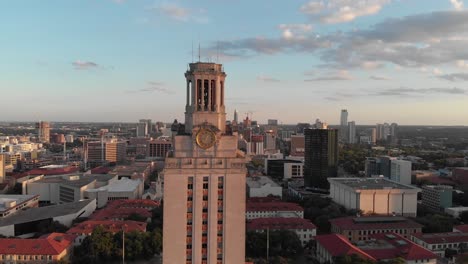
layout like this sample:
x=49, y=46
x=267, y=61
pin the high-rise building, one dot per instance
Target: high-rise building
x=149, y=126
x=389, y=167
x=204, y=178
x=297, y=146
x=236, y=116
x=437, y=197
x=344, y=125
x=374, y=135
x=394, y=132
x=159, y=148
x=352, y=132
x=379, y=128
x=43, y=131
x=141, y=129
x=116, y=151
x=320, y=157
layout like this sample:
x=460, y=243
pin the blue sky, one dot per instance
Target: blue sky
x=401, y=61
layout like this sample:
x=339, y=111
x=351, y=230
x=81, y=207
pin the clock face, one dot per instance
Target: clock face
x=205, y=138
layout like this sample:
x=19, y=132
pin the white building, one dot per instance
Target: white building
x=439, y=242
x=263, y=186
x=273, y=209
x=455, y=211
x=400, y=171
x=122, y=189
x=374, y=195
x=12, y=203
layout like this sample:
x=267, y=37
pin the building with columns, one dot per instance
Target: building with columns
x=204, y=178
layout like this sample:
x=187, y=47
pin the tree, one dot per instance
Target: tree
x=352, y=259
x=97, y=248
x=464, y=217
x=136, y=217
x=47, y=227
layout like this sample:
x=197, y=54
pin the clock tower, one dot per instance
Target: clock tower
x=204, y=178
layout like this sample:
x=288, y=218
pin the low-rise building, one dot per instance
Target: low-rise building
x=120, y=210
x=84, y=229
x=304, y=229
x=379, y=196
x=361, y=228
x=439, y=242
x=386, y=247
x=263, y=186
x=27, y=222
x=331, y=246
x=11, y=203
x=46, y=249
x=273, y=209
x=437, y=197
x=122, y=189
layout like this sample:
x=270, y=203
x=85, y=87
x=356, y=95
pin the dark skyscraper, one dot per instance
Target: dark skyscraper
x=321, y=157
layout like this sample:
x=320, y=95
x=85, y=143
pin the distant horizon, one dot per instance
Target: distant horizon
x=180, y=121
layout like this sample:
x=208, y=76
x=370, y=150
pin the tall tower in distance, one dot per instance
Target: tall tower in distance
x=236, y=117
x=43, y=131
x=204, y=178
x=2, y=168
x=344, y=125
x=320, y=157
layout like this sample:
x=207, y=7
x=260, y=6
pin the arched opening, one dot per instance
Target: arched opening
x=199, y=94
x=189, y=93
x=205, y=95
x=222, y=93
x=213, y=95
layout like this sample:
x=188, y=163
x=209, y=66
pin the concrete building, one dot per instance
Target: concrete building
x=43, y=131
x=124, y=188
x=304, y=229
x=400, y=171
x=51, y=248
x=204, y=178
x=13, y=203
x=455, y=211
x=141, y=130
x=273, y=209
x=375, y=195
x=28, y=222
x=437, y=197
x=357, y=229
x=159, y=148
x=64, y=188
x=344, y=125
x=288, y=168
x=352, y=132
x=321, y=157
x=263, y=186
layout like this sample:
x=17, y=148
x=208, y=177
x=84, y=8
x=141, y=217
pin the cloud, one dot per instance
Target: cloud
x=338, y=76
x=457, y=4
x=290, y=31
x=379, y=78
x=340, y=11
x=453, y=77
x=180, y=13
x=332, y=98
x=265, y=78
x=404, y=91
x=84, y=65
x=153, y=86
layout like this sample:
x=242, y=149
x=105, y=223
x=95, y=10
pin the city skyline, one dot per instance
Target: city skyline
x=119, y=61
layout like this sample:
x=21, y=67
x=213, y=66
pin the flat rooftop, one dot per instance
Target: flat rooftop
x=259, y=181
x=370, y=183
x=41, y=213
x=122, y=185
x=13, y=197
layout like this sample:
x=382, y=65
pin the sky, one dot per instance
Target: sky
x=403, y=61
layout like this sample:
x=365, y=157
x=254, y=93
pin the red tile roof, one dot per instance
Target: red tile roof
x=442, y=238
x=52, y=244
x=100, y=170
x=134, y=203
x=391, y=245
x=272, y=206
x=263, y=199
x=338, y=245
x=461, y=228
x=350, y=223
x=279, y=223
x=87, y=227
